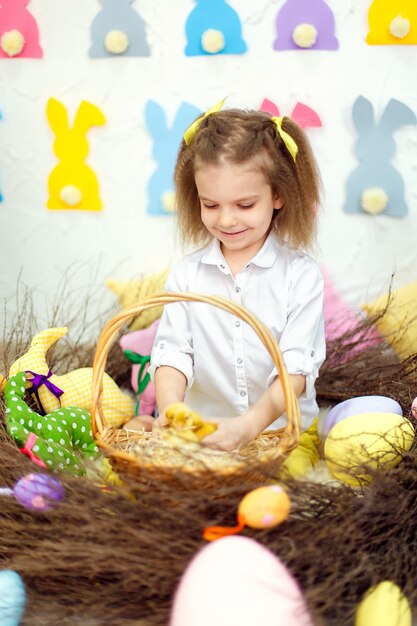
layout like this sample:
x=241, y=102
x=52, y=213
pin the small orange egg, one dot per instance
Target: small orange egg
x=264, y=507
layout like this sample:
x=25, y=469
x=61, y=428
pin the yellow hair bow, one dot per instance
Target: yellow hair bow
x=191, y=131
x=286, y=138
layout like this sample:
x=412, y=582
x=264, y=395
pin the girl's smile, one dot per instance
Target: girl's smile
x=235, y=234
x=237, y=207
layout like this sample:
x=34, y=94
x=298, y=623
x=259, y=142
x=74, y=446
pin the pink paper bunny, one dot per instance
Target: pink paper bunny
x=15, y=17
x=140, y=342
x=303, y=115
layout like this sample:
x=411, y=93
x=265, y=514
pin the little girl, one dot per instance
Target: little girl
x=247, y=188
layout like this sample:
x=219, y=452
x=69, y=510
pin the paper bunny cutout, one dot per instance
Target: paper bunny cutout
x=165, y=149
x=14, y=16
x=118, y=19
x=375, y=148
x=72, y=183
x=303, y=115
x=314, y=12
x=218, y=17
x=392, y=22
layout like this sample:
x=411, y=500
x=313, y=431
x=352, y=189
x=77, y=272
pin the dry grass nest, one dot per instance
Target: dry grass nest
x=115, y=558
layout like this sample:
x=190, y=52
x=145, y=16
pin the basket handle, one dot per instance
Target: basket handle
x=110, y=331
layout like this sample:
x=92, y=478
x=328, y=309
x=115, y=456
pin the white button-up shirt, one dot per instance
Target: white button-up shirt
x=223, y=359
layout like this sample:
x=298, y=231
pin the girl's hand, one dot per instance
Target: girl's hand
x=231, y=433
x=140, y=422
x=160, y=422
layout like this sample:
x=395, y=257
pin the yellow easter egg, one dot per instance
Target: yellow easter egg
x=264, y=507
x=375, y=440
x=384, y=605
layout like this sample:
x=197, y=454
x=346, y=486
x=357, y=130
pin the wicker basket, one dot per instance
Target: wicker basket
x=109, y=439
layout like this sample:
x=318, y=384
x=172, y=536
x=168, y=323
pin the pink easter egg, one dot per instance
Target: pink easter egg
x=414, y=408
x=235, y=580
x=355, y=406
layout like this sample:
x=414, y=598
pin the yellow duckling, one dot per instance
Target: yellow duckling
x=187, y=424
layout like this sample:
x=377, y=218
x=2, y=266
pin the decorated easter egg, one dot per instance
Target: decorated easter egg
x=384, y=605
x=264, y=507
x=235, y=580
x=361, y=404
x=38, y=491
x=12, y=598
x=366, y=441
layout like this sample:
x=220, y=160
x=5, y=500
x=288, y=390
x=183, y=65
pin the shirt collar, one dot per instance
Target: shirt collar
x=212, y=254
x=265, y=257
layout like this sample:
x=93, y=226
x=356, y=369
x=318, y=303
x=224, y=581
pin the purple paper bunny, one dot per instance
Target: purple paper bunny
x=315, y=13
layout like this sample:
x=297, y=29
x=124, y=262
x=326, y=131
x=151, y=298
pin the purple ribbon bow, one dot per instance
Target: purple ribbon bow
x=41, y=379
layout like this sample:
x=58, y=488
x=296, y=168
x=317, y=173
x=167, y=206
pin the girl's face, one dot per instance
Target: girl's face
x=237, y=206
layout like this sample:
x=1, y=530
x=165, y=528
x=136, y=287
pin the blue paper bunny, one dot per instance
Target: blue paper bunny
x=118, y=16
x=215, y=15
x=165, y=149
x=375, y=148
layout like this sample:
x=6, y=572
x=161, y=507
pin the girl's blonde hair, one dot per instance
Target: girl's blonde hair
x=240, y=136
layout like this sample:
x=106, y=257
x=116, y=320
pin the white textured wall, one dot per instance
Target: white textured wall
x=359, y=251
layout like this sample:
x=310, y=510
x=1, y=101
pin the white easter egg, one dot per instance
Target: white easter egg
x=360, y=404
x=235, y=580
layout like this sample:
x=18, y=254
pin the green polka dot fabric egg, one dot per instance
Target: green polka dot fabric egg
x=60, y=440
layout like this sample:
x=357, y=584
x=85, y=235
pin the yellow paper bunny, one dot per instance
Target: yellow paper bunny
x=72, y=388
x=72, y=183
x=392, y=22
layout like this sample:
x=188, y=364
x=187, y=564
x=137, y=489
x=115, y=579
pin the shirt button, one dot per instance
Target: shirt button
x=243, y=394
x=222, y=266
x=312, y=353
x=239, y=360
x=237, y=323
x=162, y=345
x=237, y=289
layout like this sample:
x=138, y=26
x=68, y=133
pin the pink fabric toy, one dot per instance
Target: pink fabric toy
x=235, y=580
x=139, y=343
x=339, y=318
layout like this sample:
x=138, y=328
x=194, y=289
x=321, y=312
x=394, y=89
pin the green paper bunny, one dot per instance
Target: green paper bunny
x=60, y=440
